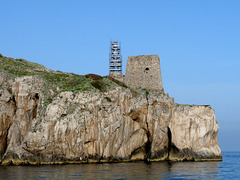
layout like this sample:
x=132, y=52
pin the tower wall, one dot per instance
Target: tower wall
x=144, y=72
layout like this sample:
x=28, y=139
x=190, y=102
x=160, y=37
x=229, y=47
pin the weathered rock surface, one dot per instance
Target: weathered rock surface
x=194, y=133
x=120, y=124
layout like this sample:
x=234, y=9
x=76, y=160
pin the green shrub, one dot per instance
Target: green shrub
x=118, y=82
x=93, y=76
x=99, y=85
x=147, y=92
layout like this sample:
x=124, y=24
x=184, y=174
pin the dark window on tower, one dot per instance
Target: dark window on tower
x=146, y=70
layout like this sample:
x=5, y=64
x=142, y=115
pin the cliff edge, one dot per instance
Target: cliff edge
x=49, y=117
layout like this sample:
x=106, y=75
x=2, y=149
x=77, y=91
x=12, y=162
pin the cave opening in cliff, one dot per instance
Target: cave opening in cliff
x=169, y=133
x=148, y=148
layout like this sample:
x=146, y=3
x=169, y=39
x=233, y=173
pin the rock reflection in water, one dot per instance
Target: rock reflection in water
x=193, y=170
x=135, y=170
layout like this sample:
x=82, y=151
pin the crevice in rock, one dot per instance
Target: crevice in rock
x=169, y=133
x=36, y=96
x=171, y=149
x=36, y=99
x=148, y=148
x=6, y=142
x=135, y=151
x=14, y=104
x=149, y=142
x=88, y=142
x=102, y=155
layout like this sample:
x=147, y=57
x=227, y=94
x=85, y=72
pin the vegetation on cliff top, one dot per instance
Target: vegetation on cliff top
x=59, y=81
x=64, y=81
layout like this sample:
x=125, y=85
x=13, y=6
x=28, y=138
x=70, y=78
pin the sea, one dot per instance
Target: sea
x=229, y=168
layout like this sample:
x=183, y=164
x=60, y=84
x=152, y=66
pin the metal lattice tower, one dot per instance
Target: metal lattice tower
x=115, y=58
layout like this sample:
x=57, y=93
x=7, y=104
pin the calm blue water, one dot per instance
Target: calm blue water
x=229, y=168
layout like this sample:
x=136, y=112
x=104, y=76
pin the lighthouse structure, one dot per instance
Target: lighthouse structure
x=142, y=71
x=115, y=59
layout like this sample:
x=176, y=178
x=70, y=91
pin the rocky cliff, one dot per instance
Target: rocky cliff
x=49, y=117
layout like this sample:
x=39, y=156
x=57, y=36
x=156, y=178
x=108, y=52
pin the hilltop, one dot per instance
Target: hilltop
x=64, y=81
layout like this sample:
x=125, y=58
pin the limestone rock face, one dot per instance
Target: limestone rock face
x=7, y=111
x=122, y=124
x=194, y=133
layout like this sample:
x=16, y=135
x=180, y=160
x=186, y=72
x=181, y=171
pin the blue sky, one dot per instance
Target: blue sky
x=198, y=43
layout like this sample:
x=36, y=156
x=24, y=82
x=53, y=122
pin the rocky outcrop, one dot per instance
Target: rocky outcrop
x=49, y=117
x=193, y=134
x=121, y=124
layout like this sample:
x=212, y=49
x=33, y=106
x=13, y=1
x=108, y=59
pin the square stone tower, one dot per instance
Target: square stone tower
x=144, y=72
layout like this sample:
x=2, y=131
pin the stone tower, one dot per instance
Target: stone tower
x=144, y=72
